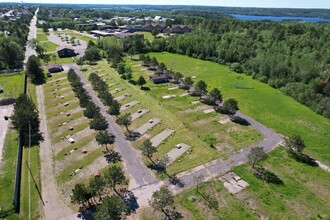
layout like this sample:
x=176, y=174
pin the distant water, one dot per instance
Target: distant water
x=273, y=18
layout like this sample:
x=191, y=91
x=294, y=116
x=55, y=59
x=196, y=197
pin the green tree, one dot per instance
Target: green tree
x=91, y=110
x=104, y=138
x=90, y=44
x=54, y=58
x=256, y=154
x=114, y=176
x=215, y=95
x=80, y=62
x=46, y=59
x=112, y=208
x=154, y=62
x=188, y=81
x=25, y=118
x=201, y=88
x=121, y=68
x=294, y=143
x=97, y=186
x=162, y=67
x=162, y=200
x=114, y=108
x=141, y=81
x=80, y=194
x=148, y=150
x=92, y=54
x=34, y=70
x=177, y=76
x=230, y=107
x=125, y=120
x=98, y=123
x=131, y=52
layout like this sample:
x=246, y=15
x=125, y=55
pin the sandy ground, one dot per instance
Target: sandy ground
x=4, y=111
x=54, y=207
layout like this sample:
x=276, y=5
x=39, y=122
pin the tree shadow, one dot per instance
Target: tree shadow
x=145, y=88
x=240, y=121
x=87, y=214
x=132, y=136
x=130, y=200
x=112, y=156
x=303, y=158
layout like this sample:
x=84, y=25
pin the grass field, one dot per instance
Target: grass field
x=50, y=46
x=195, y=135
x=264, y=103
x=147, y=35
x=12, y=84
x=304, y=194
x=42, y=36
x=8, y=170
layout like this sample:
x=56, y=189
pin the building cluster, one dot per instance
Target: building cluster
x=129, y=30
x=131, y=20
x=12, y=14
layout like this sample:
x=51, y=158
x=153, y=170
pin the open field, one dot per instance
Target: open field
x=147, y=35
x=227, y=137
x=12, y=84
x=264, y=103
x=185, y=131
x=304, y=194
x=78, y=36
x=8, y=170
x=49, y=46
x=42, y=36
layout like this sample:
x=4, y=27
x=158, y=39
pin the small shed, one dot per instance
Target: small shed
x=54, y=68
x=161, y=78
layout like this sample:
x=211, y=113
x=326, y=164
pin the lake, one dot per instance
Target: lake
x=273, y=18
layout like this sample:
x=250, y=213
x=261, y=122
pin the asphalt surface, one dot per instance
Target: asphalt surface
x=139, y=174
x=32, y=34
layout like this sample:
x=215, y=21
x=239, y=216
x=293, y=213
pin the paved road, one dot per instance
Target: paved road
x=32, y=34
x=139, y=174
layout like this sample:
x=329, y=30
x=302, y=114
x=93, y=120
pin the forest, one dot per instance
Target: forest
x=12, y=44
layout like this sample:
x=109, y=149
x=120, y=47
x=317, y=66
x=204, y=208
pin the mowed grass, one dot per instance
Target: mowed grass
x=42, y=36
x=8, y=171
x=147, y=35
x=201, y=151
x=12, y=84
x=304, y=194
x=50, y=46
x=264, y=103
x=228, y=137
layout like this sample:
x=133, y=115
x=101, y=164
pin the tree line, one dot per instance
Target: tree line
x=13, y=37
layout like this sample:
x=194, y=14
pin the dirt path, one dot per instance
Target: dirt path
x=4, y=111
x=54, y=207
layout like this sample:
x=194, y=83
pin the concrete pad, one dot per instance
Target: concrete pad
x=184, y=94
x=122, y=97
x=159, y=138
x=168, y=96
x=193, y=77
x=209, y=110
x=4, y=111
x=224, y=121
x=195, y=102
x=232, y=188
x=177, y=151
x=129, y=105
x=139, y=113
x=116, y=90
x=145, y=127
x=173, y=88
x=242, y=183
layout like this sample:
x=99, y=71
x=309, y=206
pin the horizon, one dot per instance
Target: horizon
x=294, y=4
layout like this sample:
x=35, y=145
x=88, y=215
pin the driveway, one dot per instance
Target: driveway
x=4, y=111
x=32, y=34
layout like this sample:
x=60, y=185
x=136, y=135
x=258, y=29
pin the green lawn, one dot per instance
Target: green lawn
x=304, y=194
x=12, y=84
x=42, y=36
x=49, y=46
x=264, y=103
x=58, y=59
x=8, y=171
x=147, y=35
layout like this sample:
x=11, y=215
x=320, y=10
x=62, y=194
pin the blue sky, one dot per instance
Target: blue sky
x=239, y=3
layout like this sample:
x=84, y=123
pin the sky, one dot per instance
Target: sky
x=236, y=3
